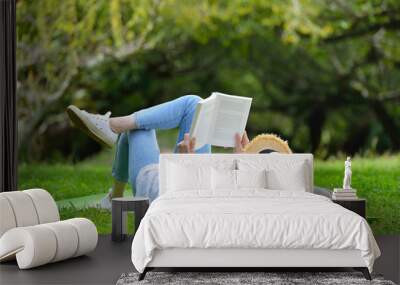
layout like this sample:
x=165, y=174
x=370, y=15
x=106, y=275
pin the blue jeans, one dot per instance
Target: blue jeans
x=139, y=148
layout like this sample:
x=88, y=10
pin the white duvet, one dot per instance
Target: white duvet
x=250, y=219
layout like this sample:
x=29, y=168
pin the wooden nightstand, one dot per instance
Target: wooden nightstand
x=358, y=206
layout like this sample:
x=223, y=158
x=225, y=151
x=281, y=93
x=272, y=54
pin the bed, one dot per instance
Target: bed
x=247, y=210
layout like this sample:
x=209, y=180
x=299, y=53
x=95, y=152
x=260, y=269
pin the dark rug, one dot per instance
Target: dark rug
x=225, y=278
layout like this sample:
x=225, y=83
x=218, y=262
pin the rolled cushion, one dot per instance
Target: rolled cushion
x=46, y=207
x=66, y=238
x=23, y=208
x=87, y=234
x=26, y=208
x=33, y=246
x=41, y=244
x=7, y=218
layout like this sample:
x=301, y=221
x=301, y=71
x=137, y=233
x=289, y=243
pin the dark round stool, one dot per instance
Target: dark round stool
x=120, y=207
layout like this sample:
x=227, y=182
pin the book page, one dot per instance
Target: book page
x=231, y=118
x=202, y=121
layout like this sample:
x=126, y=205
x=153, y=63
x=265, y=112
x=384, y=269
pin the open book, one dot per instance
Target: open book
x=218, y=118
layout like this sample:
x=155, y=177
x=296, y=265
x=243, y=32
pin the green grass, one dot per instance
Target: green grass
x=102, y=218
x=376, y=179
x=89, y=177
x=66, y=181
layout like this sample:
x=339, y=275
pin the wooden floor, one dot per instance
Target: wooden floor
x=110, y=260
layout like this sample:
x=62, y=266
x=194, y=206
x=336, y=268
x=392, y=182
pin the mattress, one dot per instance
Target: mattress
x=250, y=219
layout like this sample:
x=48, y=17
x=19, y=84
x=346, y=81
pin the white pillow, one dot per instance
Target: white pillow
x=223, y=179
x=292, y=179
x=251, y=178
x=183, y=178
x=282, y=174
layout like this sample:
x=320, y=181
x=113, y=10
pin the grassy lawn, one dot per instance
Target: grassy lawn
x=376, y=179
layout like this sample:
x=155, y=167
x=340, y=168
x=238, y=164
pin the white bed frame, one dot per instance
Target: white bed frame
x=250, y=258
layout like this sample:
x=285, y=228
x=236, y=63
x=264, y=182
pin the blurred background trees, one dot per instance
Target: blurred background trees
x=324, y=75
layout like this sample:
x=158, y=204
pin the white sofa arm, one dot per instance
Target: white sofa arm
x=37, y=245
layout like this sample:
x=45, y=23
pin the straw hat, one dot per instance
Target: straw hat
x=266, y=143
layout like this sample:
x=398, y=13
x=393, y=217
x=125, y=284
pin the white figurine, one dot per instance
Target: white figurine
x=347, y=174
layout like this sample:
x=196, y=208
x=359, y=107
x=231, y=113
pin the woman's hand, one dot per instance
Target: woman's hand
x=241, y=142
x=187, y=145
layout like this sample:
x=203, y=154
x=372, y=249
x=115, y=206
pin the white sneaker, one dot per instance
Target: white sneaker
x=105, y=203
x=96, y=126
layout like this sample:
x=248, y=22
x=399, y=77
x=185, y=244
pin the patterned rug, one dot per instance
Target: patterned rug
x=243, y=278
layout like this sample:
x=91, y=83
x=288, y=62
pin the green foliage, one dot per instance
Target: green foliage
x=324, y=74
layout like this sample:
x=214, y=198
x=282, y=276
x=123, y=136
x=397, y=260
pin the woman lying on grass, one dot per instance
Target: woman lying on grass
x=137, y=154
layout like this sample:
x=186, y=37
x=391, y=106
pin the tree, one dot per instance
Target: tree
x=307, y=64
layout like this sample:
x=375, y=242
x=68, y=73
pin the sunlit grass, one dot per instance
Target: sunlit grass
x=102, y=218
x=376, y=179
x=66, y=181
